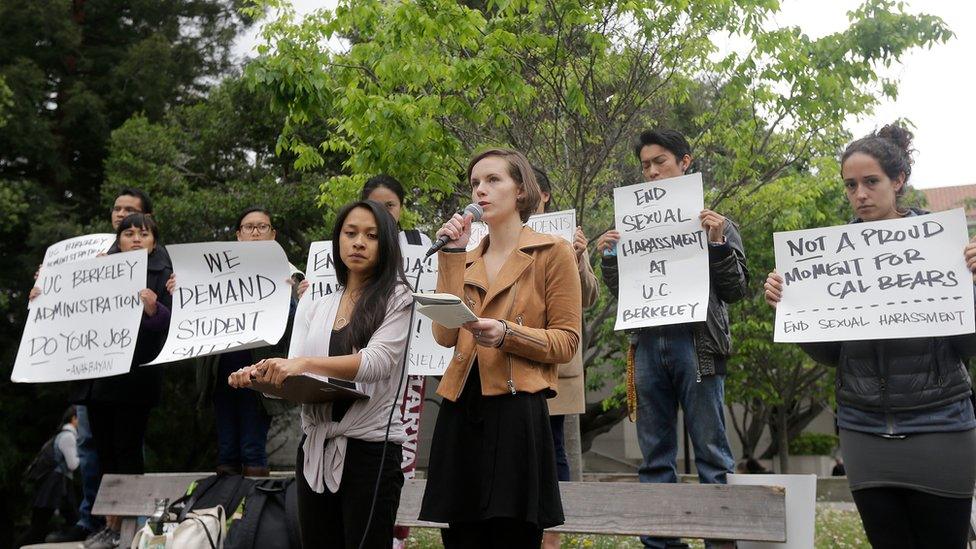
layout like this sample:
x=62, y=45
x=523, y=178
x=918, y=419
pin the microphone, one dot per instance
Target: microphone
x=473, y=209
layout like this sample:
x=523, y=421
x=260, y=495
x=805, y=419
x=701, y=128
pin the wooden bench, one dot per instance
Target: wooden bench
x=755, y=513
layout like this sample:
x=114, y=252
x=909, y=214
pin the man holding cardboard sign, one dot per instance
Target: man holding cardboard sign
x=681, y=361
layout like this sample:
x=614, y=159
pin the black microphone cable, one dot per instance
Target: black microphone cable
x=389, y=422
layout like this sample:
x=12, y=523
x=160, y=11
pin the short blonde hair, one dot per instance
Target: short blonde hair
x=521, y=171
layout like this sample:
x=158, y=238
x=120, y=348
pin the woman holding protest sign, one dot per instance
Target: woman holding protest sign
x=904, y=406
x=389, y=192
x=119, y=406
x=243, y=417
x=348, y=467
x=492, y=474
x=571, y=394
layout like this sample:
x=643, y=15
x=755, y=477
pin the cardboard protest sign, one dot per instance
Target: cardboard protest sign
x=320, y=274
x=879, y=280
x=86, y=320
x=77, y=248
x=662, y=254
x=425, y=357
x=478, y=231
x=229, y=296
x=562, y=224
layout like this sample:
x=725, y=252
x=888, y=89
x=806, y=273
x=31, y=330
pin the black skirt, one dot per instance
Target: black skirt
x=492, y=457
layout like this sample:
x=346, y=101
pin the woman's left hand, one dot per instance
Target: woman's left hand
x=488, y=332
x=148, y=301
x=277, y=370
x=970, y=253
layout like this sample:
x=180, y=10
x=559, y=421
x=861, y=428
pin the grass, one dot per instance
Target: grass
x=834, y=529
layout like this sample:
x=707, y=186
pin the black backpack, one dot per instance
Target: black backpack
x=258, y=511
x=44, y=462
x=226, y=490
x=270, y=509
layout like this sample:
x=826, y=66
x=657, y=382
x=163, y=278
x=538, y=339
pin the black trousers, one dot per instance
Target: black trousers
x=339, y=519
x=904, y=518
x=119, y=431
x=492, y=533
x=40, y=519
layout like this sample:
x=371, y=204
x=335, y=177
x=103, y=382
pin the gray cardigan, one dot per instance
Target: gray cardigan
x=378, y=376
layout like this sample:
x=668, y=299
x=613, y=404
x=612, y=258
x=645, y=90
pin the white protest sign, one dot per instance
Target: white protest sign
x=561, y=224
x=890, y=279
x=425, y=356
x=478, y=231
x=77, y=248
x=662, y=254
x=229, y=296
x=86, y=320
x=320, y=274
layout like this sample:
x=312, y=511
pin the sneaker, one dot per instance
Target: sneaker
x=106, y=539
x=75, y=533
x=96, y=537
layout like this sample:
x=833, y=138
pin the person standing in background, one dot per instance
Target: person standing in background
x=571, y=395
x=682, y=364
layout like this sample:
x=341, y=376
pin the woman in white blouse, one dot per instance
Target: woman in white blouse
x=359, y=335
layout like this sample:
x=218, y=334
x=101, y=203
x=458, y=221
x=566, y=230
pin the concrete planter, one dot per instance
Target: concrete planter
x=821, y=466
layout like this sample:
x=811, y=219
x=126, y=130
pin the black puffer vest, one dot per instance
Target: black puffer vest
x=901, y=374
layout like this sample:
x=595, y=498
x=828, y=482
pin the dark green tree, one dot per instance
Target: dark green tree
x=72, y=71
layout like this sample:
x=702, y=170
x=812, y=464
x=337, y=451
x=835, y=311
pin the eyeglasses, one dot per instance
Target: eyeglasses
x=261, y=228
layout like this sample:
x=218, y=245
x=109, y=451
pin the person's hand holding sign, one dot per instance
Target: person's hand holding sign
x=148, y=298
x=608, y=240
x=714, y=223
x=970, y=253
x=579, y=243
x=773, y=289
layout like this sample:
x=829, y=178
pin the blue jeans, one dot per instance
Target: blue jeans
x=558, y=425
x=242, y=423
x=91, y=475
x=666, y=377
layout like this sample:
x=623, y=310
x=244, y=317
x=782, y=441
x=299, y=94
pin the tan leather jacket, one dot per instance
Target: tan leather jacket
x=572, y=392
x=537, y=292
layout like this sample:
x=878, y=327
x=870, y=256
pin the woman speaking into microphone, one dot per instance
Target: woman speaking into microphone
x=492, y=470
x=348, y=468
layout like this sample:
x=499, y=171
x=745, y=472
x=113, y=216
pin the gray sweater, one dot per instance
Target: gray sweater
x=378, y=376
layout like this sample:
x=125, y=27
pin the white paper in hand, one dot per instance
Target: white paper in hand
x=445, y=309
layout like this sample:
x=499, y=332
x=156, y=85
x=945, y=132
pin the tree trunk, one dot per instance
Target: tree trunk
x=574, y=453
x=783, y=438
x=597, y=421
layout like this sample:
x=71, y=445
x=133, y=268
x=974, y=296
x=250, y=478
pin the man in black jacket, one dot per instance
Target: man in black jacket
x=682, y=364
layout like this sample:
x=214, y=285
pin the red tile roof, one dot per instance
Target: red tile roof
x=947, y=198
